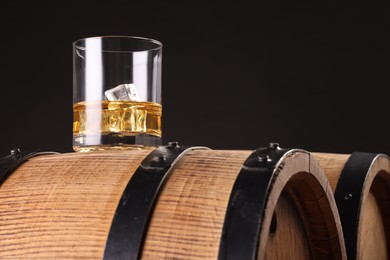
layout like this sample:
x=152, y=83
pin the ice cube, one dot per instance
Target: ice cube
x=122, y=92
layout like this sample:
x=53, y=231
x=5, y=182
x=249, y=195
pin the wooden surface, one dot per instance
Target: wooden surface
x=287, y=225
x=373, y=241
x=61, y=206
x=332, y=164
x=300, y=176
x=188, y=219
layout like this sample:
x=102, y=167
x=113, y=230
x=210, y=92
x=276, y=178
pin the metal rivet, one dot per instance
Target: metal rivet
x=158, y=159
x=173, y=144
x=15, y=151
x=263, y=158
x=348, y=196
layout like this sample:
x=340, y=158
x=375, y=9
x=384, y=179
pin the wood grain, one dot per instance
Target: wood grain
x=61, y=206
x=300, y=176
x=188, y=219
x=373, y=230
x=287, y=225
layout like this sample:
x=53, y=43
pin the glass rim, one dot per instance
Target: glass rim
x=76, y=44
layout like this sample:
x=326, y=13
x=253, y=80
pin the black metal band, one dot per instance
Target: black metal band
x=9, y=163
x=241, y=230
x=128, y=229
x=348, y=194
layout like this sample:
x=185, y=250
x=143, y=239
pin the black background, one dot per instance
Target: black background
x=312, y=75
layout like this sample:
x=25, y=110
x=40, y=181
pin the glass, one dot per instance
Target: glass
x=116, y=93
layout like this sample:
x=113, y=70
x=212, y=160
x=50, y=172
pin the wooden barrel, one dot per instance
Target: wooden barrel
x=361, y=184
x=270, y=203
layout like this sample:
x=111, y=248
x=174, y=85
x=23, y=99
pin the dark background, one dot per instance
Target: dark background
x=312, y=75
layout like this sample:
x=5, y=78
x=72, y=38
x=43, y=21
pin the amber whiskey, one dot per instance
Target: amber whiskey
x=115, y=124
